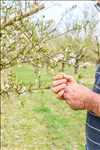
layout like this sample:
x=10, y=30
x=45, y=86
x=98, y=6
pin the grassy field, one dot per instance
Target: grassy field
x=38, y=121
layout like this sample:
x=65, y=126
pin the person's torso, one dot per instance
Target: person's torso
x=93, y=122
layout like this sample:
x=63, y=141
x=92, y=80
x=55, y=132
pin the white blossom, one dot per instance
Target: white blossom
x=72, y=61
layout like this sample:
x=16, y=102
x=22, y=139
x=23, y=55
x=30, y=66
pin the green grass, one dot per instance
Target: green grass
x=26, y=75
x=38, y=121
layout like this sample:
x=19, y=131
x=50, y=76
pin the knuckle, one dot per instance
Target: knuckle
x=63, y=85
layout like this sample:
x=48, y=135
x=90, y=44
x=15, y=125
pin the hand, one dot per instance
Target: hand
x=80, y=97
x=77, y=96
x=66, y=88
x=59, y=84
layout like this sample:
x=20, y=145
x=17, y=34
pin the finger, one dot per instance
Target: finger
x=58, y=82
x=58, y=88
x=69, y=78
x=59, y=76
x=60, y=95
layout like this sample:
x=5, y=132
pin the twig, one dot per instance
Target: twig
x=9, y=22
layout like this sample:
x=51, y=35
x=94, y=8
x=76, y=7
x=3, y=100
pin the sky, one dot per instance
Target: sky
x=56, y=9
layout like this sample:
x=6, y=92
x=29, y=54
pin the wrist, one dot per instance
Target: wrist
x=96, y=101
x=93, y=103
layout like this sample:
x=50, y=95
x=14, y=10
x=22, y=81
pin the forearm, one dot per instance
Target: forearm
x=94, y=103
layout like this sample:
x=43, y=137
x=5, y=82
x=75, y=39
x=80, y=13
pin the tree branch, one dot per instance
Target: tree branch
x=9, y=22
